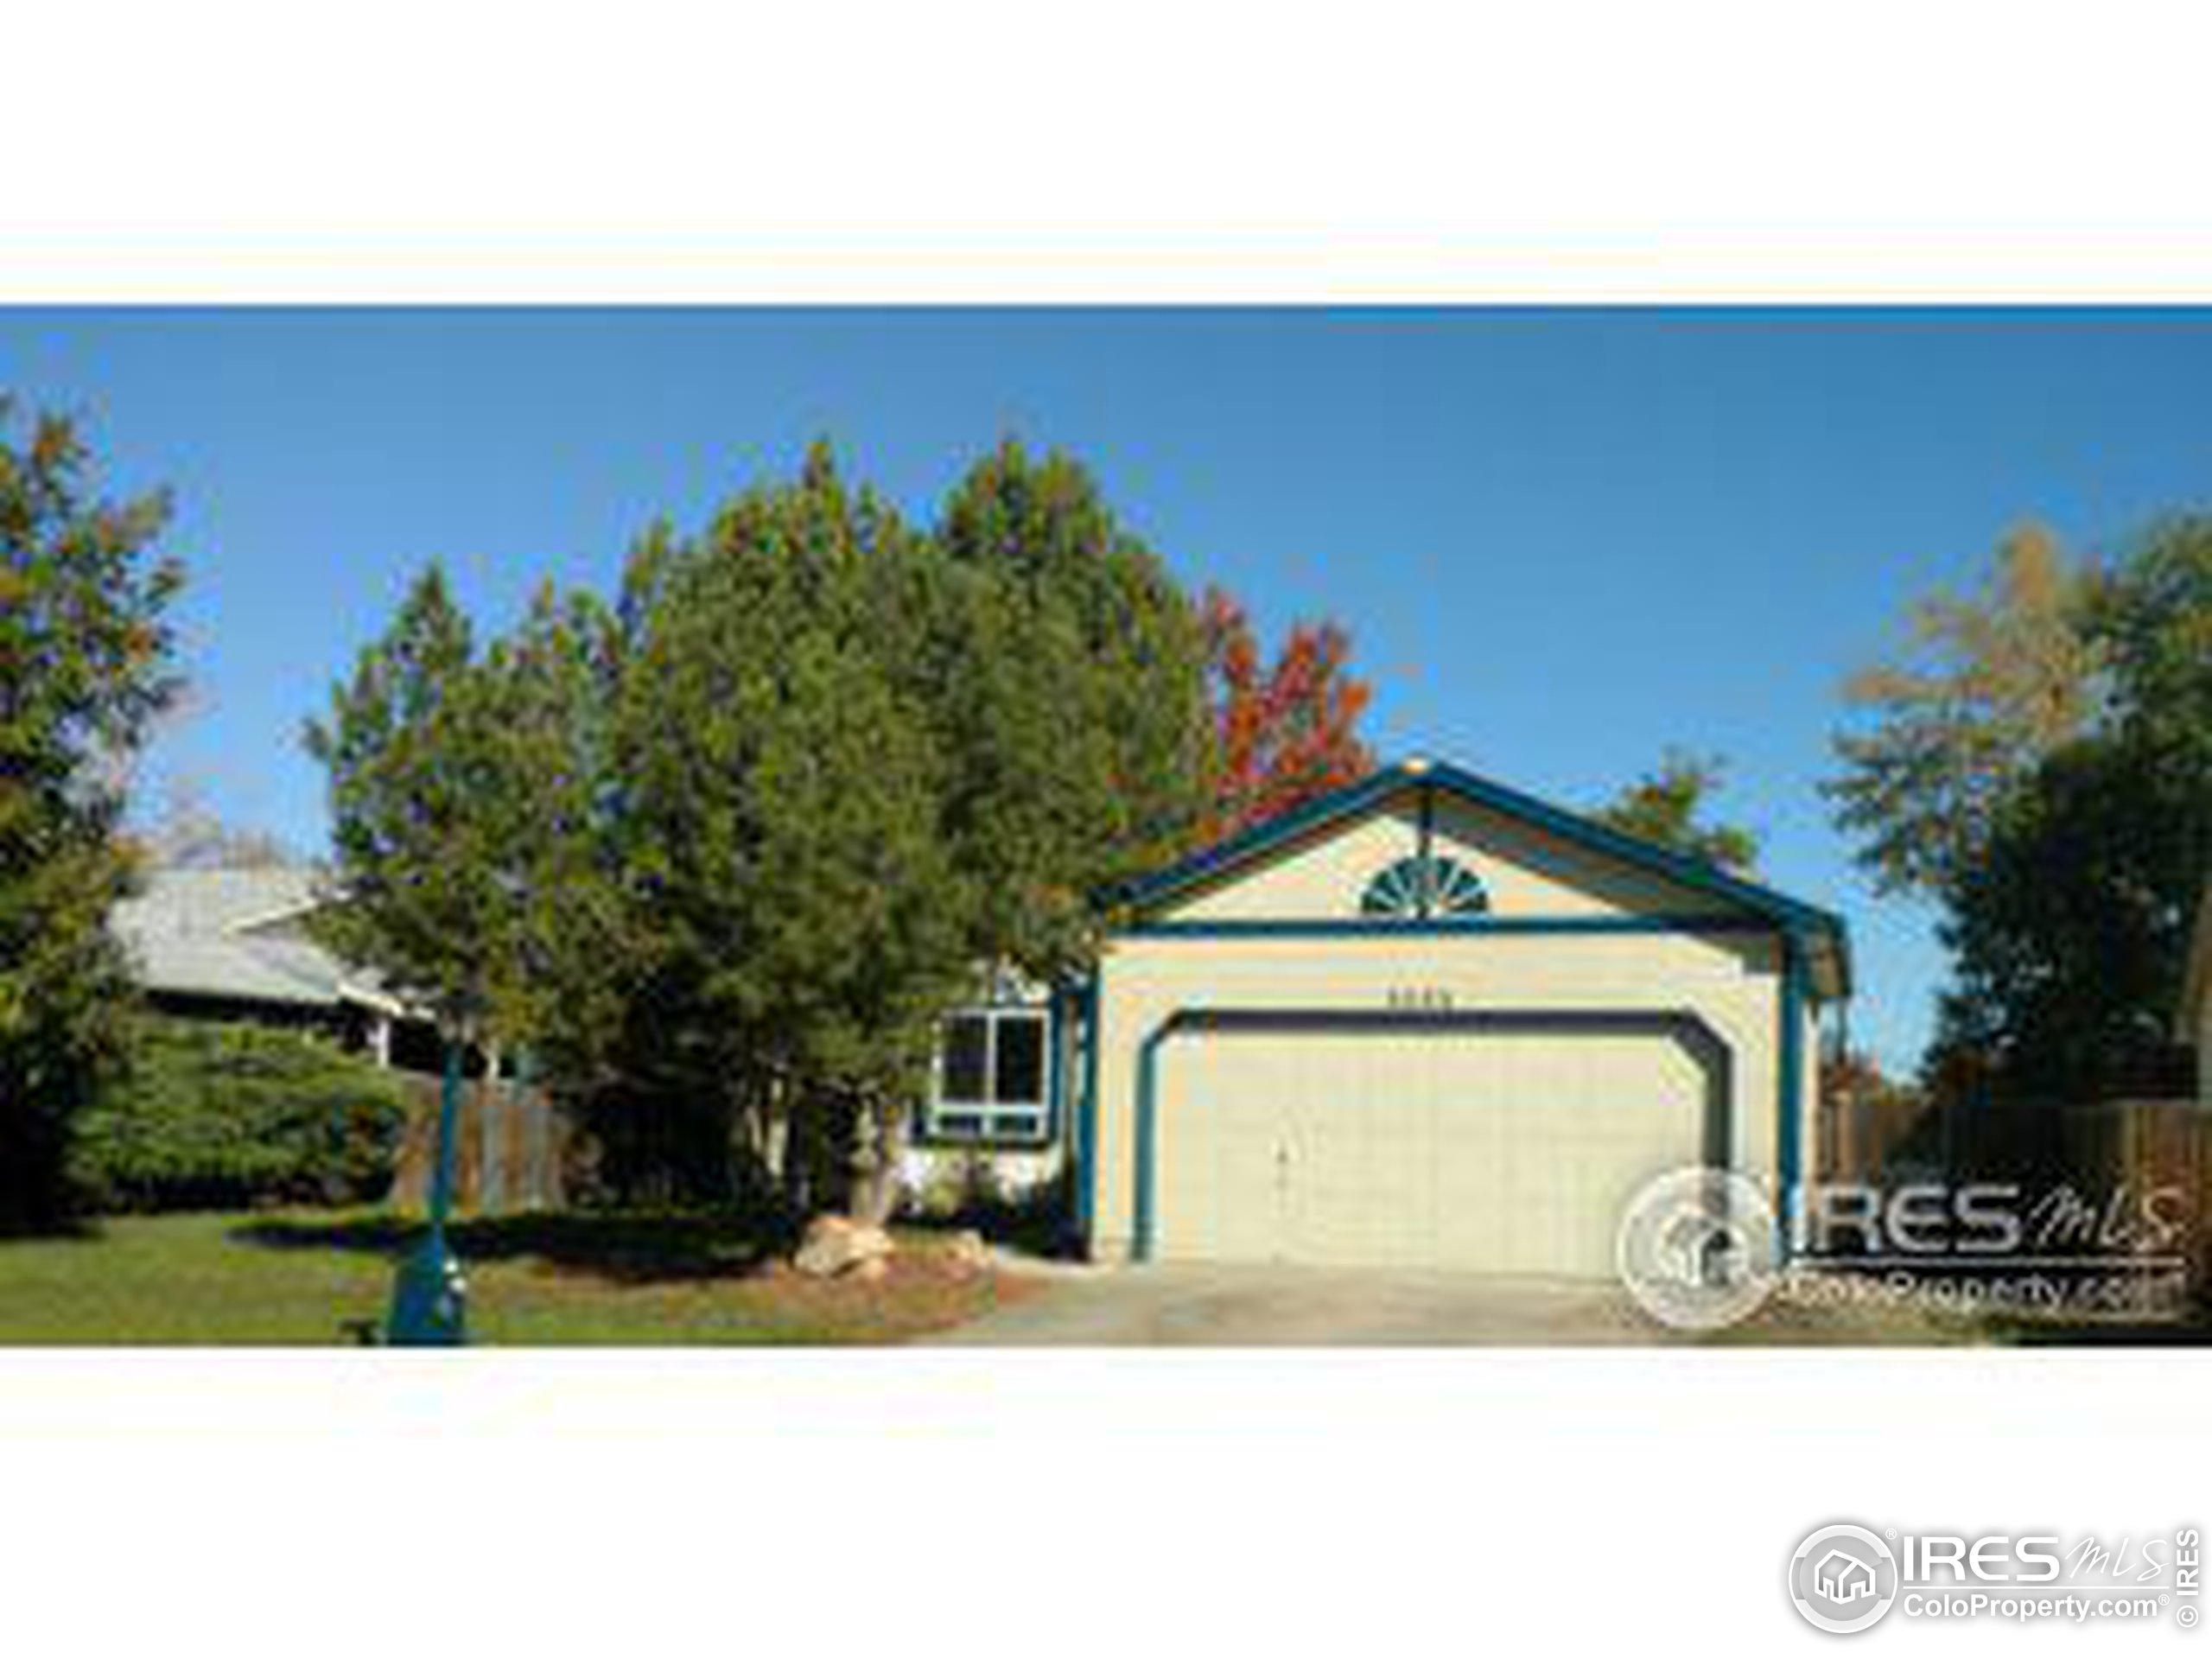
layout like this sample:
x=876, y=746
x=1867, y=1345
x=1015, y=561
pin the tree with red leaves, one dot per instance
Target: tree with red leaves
x=1287, y=731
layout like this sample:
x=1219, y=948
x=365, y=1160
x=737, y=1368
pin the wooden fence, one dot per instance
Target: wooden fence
x=512, y=1150
x=2131, y=1152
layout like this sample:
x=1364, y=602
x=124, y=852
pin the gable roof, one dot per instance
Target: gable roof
x=1262, y=841
x=195, y=933
x=186, y=903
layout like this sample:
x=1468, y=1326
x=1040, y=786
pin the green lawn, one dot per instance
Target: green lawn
x=299, y=1278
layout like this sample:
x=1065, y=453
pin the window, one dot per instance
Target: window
x=1421, y=887
x=992, y=1075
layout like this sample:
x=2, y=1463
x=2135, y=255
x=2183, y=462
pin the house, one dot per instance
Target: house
x=1426, y=1020
x=236, y=944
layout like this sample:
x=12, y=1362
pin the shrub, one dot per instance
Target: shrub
x=955, y=1185
x=974, y=1189
x=217, y=1115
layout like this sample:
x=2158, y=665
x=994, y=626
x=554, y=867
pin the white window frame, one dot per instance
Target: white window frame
x=994, y=1122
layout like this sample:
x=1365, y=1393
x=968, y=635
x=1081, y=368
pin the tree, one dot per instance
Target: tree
x=1665, y=806
x=1067, y=680
x=1284, y=732
x=568, y=951
x=1987, y=684
x=784, y=793
x=2150, y=619
x=418, y=816
x=187, y=834
x=85, y=665
x=2069, y=935
x=724, y=853
x=2069, y=931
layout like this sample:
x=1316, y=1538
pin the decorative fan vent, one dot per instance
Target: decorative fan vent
x=1417, y=887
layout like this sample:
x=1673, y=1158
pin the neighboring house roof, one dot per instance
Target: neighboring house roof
x=1823, y=928
x=2196, y=981
x=236, y=935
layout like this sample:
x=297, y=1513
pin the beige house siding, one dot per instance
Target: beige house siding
x=1528, y=872
x=1577, y=1023
x=1732, y=982
x=1322, y=878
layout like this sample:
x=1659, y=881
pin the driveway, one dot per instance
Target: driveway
x=1243, y=1305
x=1182, y=1305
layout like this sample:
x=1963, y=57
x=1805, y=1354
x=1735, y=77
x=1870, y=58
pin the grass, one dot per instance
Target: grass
x=285, y=1278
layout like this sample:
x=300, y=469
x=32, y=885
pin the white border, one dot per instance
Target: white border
x=1582, y=151
x=971, y=150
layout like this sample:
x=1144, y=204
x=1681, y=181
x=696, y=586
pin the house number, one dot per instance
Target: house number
x=1423, y=999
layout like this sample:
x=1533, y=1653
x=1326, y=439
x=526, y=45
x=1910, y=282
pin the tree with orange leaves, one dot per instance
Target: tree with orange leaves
x=1285, y=731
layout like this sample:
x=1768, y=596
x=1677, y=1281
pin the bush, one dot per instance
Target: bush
x=956, y=1185
x=216, y=1115
x=974, y=1189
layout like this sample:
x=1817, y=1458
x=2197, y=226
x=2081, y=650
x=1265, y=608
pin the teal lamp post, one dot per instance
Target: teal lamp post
x=429, y=1298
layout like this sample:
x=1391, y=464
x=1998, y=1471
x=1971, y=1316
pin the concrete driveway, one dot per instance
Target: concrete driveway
x=1256, y=1306
x=1260, y=1306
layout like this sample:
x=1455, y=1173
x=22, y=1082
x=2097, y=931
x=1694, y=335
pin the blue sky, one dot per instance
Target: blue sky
x=1563, y=540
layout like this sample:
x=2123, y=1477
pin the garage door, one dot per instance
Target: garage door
x=1505, y=1149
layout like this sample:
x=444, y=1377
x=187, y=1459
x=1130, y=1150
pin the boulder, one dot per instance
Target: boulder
x=967, y=1253
x=837, y=1244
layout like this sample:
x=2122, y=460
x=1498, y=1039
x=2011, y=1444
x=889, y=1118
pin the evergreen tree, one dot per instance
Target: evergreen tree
x=784, y=792
x=422, y=876
x=2069, y=931
x=569, y=958
x=1071, y=695
x=2149, y=620
x=2070, y=935
x=85, y=665
x=1665, y=806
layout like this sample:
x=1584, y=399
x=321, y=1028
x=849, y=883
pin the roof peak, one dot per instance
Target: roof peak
x=1259, y=840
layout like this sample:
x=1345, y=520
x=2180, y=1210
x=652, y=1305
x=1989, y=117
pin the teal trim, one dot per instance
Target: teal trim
x=1711, y=1049
x=1055, y=1024
x=1425, y=848
x=1695, y=874
x=1141, y=1217
x=1259, y=839
x=1385, y=927
x=1086, y=1191
x=1790, y=1088
x=1418, y=887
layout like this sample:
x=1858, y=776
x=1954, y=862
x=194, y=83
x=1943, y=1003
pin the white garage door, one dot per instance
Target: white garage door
x=1506, y=1151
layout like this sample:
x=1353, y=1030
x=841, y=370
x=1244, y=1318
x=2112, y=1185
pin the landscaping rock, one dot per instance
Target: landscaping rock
x=838, y=1245
x=868, y=1269
x=967, y=1253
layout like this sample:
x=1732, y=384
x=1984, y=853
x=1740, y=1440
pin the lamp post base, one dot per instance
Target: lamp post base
x=429, y=1298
